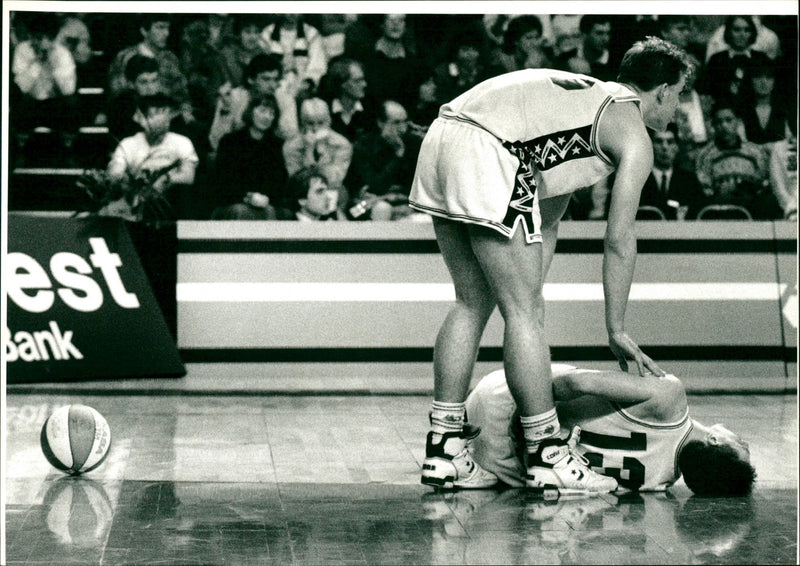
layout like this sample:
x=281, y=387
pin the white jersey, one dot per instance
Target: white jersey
x=552, y=113
x=640, y=454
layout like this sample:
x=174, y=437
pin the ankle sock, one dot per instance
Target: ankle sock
x=539, y=427
x=446, y=417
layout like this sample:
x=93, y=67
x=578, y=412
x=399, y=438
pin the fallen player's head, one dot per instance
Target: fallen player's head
x=718, y=465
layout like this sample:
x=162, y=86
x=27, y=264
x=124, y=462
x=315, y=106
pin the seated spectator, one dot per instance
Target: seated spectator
x=264, y=77
x=312, y=199
x=592, y=56
x=141, y=74
x=764, y=116
x=347, y=87
x=246, y=44
x=732, y=170
x=251, y=177
x=393, y=69
x=525, y=46
x=383, y=167
x=300, y=47
x=669, y=188
x=223, y=122
x=319, y=146
x=150, y=152
x=766, y=40
x=677, y=29
x=44, y=77
x=74, y=35
x=203, y=66
x=155, y=30
x=727, y=73
x=783, y=172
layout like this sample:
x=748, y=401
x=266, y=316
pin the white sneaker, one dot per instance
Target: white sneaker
x=448, y=464
x=556, y=465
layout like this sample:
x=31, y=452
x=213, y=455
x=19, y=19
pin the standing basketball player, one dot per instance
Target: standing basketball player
x=636, y=429
x=496, y=171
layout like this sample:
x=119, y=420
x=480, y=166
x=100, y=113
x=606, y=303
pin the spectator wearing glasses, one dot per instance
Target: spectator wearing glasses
x=383, y=167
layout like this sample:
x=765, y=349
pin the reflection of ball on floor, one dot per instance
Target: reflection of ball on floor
x=78, y=512
x=75, y=438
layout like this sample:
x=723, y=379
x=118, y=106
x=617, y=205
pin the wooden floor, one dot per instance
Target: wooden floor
x=289, y=478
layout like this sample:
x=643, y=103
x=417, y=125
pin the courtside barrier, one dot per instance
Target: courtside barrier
x=710, y=300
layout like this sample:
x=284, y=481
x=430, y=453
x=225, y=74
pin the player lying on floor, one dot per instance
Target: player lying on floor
x=634, y=429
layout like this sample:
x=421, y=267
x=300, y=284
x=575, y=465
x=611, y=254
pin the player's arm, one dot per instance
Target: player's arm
x=623, y=137
x=665, y=396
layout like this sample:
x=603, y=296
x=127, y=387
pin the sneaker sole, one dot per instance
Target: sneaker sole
x=548, y=489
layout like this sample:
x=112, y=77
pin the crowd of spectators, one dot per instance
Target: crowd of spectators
x=320, y=116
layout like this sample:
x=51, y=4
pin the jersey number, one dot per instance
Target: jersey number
x=630, y=472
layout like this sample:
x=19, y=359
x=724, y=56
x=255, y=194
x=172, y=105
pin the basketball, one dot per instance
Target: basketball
x=75, y=439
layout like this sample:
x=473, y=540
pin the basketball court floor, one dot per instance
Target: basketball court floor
x=283, y=477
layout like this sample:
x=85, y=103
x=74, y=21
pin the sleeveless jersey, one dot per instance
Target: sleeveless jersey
x=641, y=455
x=552, y=115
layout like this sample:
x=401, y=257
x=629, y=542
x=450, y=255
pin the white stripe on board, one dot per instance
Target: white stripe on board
x=443, y=292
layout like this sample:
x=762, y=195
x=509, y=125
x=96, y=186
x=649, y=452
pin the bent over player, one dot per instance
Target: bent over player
x=496, y=171
x=635, y=429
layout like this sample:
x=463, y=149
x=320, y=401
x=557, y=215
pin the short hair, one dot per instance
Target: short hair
x=44, y=24
x=726, y=36
x=139, y=64
x=715, y=470
x=146, y=21
x=261, y=63
x=157, y=100
x=590, y=20
x=517, y=28
x=672, y=127
x=315, y=106
x=652, y=62
x=669, y=20
x=255, y=102
x=298, y=184
x=725, y=103
x=339, y=73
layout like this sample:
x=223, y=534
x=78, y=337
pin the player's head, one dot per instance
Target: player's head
x=717, y=465
x=658, y=70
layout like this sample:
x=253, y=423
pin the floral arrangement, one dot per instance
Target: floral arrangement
x=138, y=196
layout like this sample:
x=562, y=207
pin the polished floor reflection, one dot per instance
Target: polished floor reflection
x=335, y=480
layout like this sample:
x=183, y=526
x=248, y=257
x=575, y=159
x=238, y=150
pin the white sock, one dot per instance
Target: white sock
x=446, y=417
x=539, y=427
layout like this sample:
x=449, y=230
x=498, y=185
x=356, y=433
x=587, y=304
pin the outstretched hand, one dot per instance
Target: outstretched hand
x=625, y=349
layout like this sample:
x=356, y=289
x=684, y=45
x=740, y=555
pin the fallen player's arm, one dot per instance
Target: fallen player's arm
x=617, y=386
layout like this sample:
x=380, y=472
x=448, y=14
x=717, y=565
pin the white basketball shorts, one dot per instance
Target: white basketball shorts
x=466, y=174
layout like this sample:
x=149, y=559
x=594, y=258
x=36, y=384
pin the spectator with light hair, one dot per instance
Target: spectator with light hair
x=318, y=145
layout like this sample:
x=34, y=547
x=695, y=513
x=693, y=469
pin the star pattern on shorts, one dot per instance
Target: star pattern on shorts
x=554, y=149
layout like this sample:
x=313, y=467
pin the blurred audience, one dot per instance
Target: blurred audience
x=368, y=86
x=383, y=166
